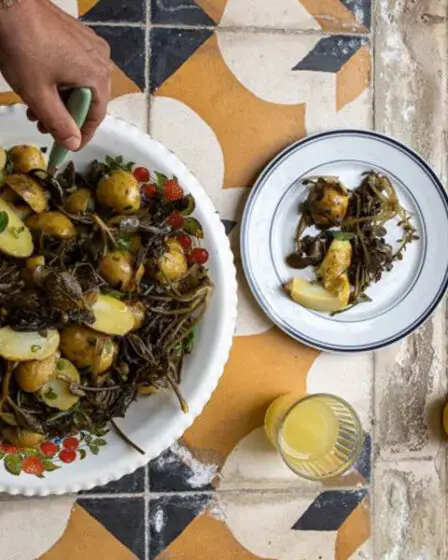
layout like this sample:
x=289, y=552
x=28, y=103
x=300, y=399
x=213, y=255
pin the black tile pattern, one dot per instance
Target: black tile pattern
x=329, y=510
x=362, y=10
x=184, y=12
x=168, y=473
x=127, y=50
x=331, y=53
x=123, y=517
x=128, y=11
x=364, y=463
x=170, y=516
x=130, y=484
x=170, y=48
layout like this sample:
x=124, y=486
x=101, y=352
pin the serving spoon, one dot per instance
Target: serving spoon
x=78, y=105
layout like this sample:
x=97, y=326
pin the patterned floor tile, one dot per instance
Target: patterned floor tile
x=328, y=15
x=183, y=12
x=130, y=484
x=178, y=470
x=133, y=11
x=124, y=518
x=127, y=50
x=331, y=525
x=169, y=518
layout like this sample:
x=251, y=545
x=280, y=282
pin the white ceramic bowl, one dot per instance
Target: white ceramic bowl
x=156, y=422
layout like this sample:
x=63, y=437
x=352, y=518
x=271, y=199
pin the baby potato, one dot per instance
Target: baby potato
x=33, y=262
x=53, y=223
x=87, y=348
x=22, y=438
x=80, y=201
x=56, y=393
x=117, y=268
x=172, y=264
x=139, y=312
x=329, y=202
x=33, y=375
x=119, y=190
x=336, y=262
x=29, y=190
x=25, y=158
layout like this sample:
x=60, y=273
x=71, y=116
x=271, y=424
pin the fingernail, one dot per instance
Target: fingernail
x=72, y=143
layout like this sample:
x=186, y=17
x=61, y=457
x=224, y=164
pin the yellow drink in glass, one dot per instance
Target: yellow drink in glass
x=318, y=436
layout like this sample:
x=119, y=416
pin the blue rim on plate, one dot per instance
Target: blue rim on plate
x=245, y=225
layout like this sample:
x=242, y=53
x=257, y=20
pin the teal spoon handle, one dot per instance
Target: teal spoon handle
x=78, y=105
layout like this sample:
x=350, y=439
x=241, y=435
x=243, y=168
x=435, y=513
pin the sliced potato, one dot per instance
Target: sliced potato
x=55, y=392
x=112, y=316
x=28, y=189
x=22, y=211
x=33, y=375
x=16, y=239
x=313, y=296
x=24, y=346
x=52, y=223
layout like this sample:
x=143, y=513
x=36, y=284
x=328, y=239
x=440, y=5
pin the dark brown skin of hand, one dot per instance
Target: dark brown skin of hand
x=44, y=50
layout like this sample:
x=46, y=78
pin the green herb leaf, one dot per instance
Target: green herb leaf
x=59, y=365
x=13, y=464
x=193, y=227
x=35, y=348
x=16, y=231
x=50, y=394
x=161, y=179
x=108, y=346
x=123, y=242
x=188, y=205
x=82, y=454
x=188, y=342
x=4, y=221
x=343, y=235
x=49, y=466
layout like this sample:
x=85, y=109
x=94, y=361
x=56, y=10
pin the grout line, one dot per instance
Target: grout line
x=230, y=28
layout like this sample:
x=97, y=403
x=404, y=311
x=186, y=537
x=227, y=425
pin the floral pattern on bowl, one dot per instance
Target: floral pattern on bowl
x=51, y=455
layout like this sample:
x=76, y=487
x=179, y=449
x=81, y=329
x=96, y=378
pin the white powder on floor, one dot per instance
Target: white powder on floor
x=202, y=473
x=159, y=521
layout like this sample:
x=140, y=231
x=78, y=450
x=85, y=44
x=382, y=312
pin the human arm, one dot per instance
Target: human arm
x=44, y=50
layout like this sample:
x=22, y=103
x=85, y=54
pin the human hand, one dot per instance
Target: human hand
x=44, y=50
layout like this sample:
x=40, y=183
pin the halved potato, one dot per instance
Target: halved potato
x=23, y=346
x=22, y=438
x=52, y=223
x=16, y=239
x=28, y=189
x=313, y=296
x=55, y=392
x=112, y=316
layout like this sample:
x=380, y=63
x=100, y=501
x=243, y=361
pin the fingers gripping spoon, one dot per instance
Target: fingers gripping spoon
x=78, y=105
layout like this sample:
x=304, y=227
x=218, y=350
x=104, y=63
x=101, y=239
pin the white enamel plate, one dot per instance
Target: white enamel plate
x=154, y=423
x=404, y=298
